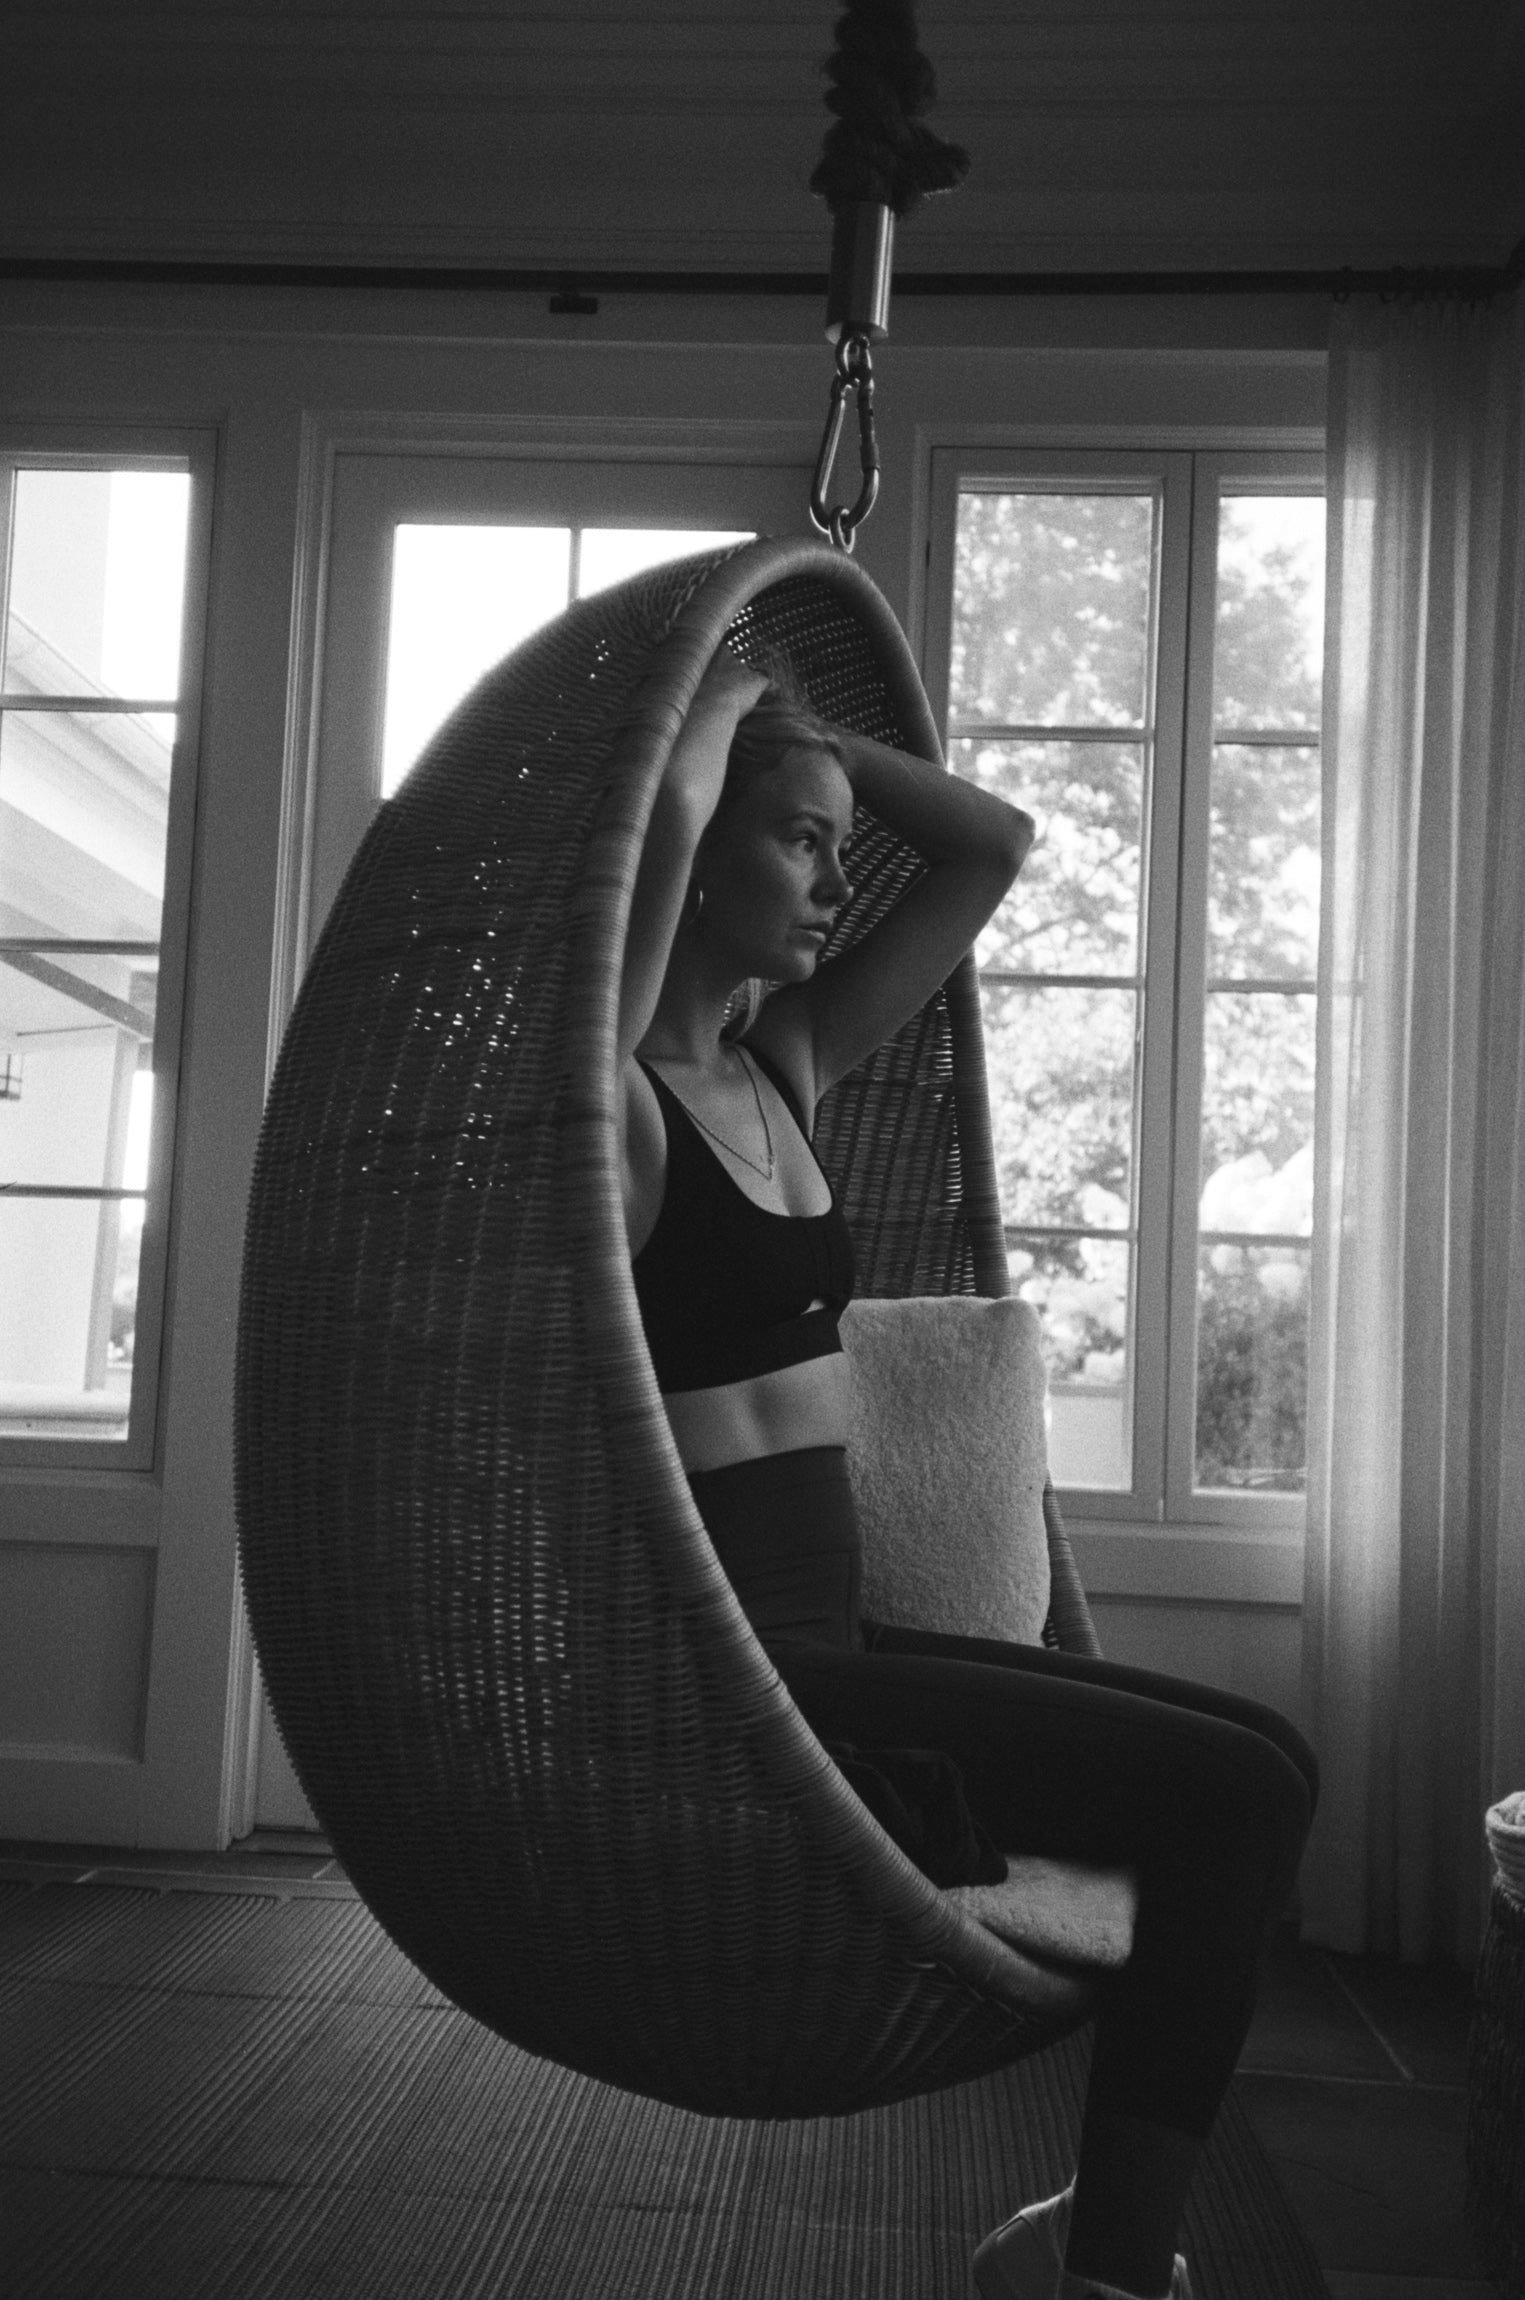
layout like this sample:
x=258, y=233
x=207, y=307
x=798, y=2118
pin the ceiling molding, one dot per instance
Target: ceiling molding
x=611, y=263
x=1121, y=135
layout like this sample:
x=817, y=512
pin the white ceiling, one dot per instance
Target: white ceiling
x=1107, y=134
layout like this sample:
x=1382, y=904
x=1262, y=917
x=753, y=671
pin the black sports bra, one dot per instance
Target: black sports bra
x=725, y=1286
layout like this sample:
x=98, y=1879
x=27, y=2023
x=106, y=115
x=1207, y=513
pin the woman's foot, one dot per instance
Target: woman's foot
x=1023, y=2259
x=1090, y=2288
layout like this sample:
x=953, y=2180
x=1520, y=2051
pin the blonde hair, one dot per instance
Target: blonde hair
x=780, y=721
x=744, y=1008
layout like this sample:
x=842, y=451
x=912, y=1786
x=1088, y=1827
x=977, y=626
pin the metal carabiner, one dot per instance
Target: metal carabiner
x=855, y=373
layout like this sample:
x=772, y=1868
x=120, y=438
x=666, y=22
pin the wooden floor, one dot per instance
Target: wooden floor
x=1353, y=2077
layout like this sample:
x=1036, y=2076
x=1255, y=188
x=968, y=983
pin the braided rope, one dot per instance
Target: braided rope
x=879, y=148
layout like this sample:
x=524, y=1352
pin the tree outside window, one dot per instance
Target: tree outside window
x=1137, y=661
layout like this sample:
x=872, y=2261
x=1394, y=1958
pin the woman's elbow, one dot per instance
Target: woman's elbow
x=1018, y=831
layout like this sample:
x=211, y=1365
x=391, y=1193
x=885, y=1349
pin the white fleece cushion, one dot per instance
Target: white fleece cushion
x=1064, y=1911
x=948, y=1456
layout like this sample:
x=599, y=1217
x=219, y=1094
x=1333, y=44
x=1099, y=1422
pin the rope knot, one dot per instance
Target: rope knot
x=878, y=147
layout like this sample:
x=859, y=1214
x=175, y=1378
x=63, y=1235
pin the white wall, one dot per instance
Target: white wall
x=126, y=1714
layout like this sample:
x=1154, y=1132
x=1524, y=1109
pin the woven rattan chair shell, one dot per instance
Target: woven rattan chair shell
x=513, y=1681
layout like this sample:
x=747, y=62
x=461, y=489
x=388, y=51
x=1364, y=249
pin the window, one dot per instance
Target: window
x=93, y=555
x=440, y=555
x=1131, y=649
x=463, y=596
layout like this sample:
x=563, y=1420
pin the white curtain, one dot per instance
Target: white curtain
x=1414, y=1621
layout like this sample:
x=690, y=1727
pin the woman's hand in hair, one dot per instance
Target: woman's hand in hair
x=729, y=686
x=696, y=769
x=686, y=799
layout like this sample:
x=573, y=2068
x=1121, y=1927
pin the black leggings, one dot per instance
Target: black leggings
x=1209, y=1797
x=1206, y=1795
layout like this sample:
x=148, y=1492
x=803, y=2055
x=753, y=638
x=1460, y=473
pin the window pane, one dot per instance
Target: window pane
x=1061, y=1092
x=1263, y=883
x=462, y=597
x=67, y=1312
x=96, y=592
x=1252, y=1368
x=1257, y=1112
x=1051, y=598
x=1075, y=908
x=1269, y=643
x=76, y=1031
x=609, y=554
x=84, y=812
x=1081, y=1290
x=97, y=580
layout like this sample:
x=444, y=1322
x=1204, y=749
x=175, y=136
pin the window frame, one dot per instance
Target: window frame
x=1187, y=481
x=193, y=451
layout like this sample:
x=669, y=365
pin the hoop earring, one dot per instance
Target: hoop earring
x=693, y=908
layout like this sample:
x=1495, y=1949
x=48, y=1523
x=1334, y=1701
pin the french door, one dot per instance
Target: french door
x=436, y=564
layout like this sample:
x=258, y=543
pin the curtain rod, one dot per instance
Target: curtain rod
x=575, y=289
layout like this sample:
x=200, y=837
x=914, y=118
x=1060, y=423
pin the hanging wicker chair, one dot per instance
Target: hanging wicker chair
x=524, y=1703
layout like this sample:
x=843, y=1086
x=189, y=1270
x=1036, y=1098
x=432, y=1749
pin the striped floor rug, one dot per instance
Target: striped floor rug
x=228, y=2097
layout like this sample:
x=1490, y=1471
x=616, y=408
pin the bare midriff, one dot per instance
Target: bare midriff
x=797, y=1406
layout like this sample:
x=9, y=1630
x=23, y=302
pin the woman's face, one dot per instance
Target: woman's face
x=770, y=865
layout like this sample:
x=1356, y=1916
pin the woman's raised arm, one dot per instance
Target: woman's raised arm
x=973, y=843
x=689, y=793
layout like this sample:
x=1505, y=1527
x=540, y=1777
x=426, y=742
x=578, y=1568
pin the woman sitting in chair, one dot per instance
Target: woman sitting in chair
x=742, y=1263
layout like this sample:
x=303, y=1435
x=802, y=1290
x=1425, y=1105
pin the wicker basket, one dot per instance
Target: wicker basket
x=515, y=1684
x=1505, y=1825
x=1496, y=2077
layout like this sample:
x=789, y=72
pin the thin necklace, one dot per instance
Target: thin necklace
x=751, y=1163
